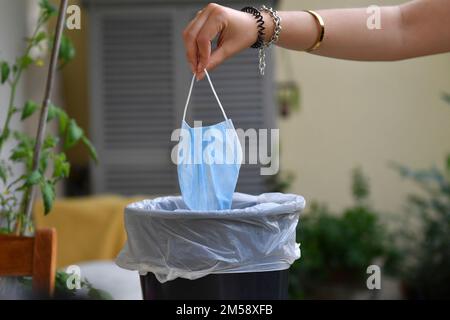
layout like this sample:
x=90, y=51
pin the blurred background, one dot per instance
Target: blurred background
x=366, y=144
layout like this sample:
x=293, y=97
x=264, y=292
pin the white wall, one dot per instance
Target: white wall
x=12, y=32
x=359, y=113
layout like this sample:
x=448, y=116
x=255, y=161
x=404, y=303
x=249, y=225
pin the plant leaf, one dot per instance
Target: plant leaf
x=4, y=72
x=91, y=148
x=66, y=50
x=33, y=178
x=29, y=108
x=52, y=112
x=39, y=37
x=48, y=196
x=47, y=8
x=50, y=142
x=73, y=135
x=43, y=162
x=25, y=61
x=61, y=166
x=21, y=153
x=98, y=294
x=63, y=120
x=3, y=174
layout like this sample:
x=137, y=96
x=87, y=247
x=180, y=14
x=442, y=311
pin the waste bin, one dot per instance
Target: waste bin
x=241, y=253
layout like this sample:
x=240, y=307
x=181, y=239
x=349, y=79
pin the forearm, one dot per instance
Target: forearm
x=346, y=34
x=415, y=29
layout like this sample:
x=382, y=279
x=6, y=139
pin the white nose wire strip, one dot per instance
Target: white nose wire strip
x=213, y=90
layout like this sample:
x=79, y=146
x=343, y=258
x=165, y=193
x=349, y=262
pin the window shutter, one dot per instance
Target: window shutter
x=132, y=100
x=138, y=85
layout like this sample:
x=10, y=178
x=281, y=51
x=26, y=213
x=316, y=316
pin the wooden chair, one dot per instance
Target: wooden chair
x=31, y=256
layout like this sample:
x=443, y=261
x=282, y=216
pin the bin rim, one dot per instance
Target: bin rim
x=293, y=204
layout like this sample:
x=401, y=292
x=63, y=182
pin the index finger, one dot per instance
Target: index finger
x=190, y=35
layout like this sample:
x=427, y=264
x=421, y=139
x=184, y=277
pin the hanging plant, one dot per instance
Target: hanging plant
x=288, y=97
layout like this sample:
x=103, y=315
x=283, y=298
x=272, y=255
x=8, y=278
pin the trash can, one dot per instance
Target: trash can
x=241, y=253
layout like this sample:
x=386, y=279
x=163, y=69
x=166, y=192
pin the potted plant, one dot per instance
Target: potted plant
x=42, y=157
x=426, y=269
x=338, y=248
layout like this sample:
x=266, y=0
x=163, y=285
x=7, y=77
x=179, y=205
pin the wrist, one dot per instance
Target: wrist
x=269, y=26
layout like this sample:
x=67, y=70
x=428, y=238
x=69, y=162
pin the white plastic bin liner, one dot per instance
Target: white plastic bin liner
x=256, y=234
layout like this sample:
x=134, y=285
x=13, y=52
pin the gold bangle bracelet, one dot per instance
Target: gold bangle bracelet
x=321, y=35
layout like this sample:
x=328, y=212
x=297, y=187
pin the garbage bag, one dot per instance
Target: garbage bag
x=166, y=238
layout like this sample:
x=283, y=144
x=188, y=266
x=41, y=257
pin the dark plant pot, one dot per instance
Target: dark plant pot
x=271, y=285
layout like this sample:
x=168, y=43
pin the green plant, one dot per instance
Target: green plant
x=44, y=165
x=426, y=271
x=338, y=248
x=62, y=291
x=288, y=97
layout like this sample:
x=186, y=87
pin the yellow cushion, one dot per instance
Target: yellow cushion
x=88, y=228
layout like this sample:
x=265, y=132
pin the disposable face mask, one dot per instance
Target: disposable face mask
x=209, y=159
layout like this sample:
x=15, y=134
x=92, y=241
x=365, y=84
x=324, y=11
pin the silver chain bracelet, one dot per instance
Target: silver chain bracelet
x=276, y=34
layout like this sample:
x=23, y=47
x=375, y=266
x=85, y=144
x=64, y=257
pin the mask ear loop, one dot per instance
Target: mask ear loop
x=213, y=90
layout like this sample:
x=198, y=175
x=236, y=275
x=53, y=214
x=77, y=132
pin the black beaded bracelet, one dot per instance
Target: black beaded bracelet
x=260, y=24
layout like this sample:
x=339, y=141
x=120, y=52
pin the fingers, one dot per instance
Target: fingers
x=214, y=25
x=190, y=36
x=217, y=57
x=198, y=35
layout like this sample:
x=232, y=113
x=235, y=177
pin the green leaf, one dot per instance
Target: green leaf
x=29, y=108
x=24, y=139
x=47, y=9
x=52, y=112
x=50, y=142
x=21, y=153
x=39, y=37
x=66, y=50
x=33, y=178
x=7, y=132
x=48, y=196
x=3, y=174
x=4, y=72
x=91, y=148
x=73, y=135
x=63, y=120
x=61, y=166
x=43, y=161
x=14, y=110
x=57, y=112
x=98, y=294
x=25, y=61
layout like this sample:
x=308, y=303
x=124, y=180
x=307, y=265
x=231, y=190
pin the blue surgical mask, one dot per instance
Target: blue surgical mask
x=209, y=159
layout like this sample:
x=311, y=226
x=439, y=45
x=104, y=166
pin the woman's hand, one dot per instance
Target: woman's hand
x=237, y=31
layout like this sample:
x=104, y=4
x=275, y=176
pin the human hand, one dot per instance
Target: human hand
x=237, y=31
